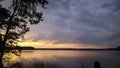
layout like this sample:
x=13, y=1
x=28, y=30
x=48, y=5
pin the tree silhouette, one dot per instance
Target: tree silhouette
x=13, y=22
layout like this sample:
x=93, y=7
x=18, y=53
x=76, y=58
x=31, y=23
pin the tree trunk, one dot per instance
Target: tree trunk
x=1, y=56
x=1, y=64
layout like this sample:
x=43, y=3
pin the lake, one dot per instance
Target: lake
x=68, y=59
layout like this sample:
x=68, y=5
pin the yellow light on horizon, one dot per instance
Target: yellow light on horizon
x=46, y=44
x=30, y=44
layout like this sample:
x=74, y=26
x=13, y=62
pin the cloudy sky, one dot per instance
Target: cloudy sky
x=77, y=23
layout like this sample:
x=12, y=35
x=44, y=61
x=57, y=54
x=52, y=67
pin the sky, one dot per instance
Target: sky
x=77, y=24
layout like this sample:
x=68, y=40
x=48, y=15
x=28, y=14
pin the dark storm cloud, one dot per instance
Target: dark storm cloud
x=82, y=21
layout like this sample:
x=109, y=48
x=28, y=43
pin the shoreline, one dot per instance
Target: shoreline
x=80, y=49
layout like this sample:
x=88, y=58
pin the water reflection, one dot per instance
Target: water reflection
x=36, y=64
x=67, y=59
x=54, y=55
x=76, y=59
x=12, y=61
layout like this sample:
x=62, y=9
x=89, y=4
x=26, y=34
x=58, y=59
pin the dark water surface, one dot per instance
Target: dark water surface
x=69, y=59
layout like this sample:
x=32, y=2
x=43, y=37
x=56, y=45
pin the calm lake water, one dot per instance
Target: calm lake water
x=70, y=59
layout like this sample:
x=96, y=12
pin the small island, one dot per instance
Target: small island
x=20, y=48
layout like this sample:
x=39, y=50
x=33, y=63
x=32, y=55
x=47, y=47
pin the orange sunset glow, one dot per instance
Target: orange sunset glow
x=30, y=36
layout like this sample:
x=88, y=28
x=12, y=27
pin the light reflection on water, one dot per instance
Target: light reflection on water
x=72, y=59
x=9, y=59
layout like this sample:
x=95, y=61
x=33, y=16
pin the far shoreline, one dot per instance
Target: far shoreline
x=76, y=49
x=82, y=49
